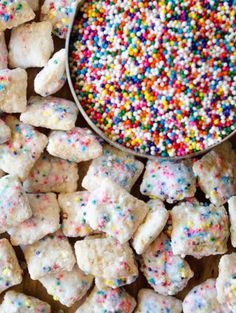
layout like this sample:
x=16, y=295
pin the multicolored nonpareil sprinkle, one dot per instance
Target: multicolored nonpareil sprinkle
x=157, y=76
x=166, y=273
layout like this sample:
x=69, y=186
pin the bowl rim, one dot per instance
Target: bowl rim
x=101, y=133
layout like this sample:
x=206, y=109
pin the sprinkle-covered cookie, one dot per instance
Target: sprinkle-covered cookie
x=51, y=174
x=203, y=299
x=15, y=302
x=67, y=287
x=232, y=216
x=105, y=258
x=14, y=204
x=53, y=76
x=151, y=302
x=13, y=85
x=111, y=209
x=199, y=230
x=45, y=220
x=216, y=173
x=5, y=132
x=75, y=145
x=60, y=14
x=108, y=300
x=50, y=112
x=31, y=45
x=166, y=273
x=226, y=282
x=14, y=13
x=116, y=165
x=50, y=255
x=151, y=227
x=3, y=52
x=10, y=271
x=19, y=154
x=169, y=181
x=74, y=213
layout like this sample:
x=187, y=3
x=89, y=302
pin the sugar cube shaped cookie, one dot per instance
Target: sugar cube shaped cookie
x=19, y=154
x=31, y=45
x=53, y=76
x=74, y=211
x=13, y=85
x=45, y=220
x=10, y=271
x=50, y=255
x=51, y=174
x=75, y=145
x=14, y=204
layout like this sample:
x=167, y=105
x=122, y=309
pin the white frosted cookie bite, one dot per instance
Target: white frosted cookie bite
x=167, y=273
x=105, y=258
x=45, y=220
x=3, y=52
x=199, y=229
x=31, y=45
x=60, y=14
x=14, y=204
x=51, y=174
x=226, y=282
x=67, y=287
x=151, y=302
x=19, y=154
x=5, y=132
x=169, y=181
x=50, y=112
x=50, y=255
x=111, y=209
x=102, y=283
x=75, y=145
x=13, y=88
x=151, y=227
x=14, y=13
x=232, y=217
x=216, y=172
x=203, y=299
x=16, y=302
x=74, y=211
x=34, y=4
x=116, y=165
x=53, y=76
x=108, y=300
x=10, y=271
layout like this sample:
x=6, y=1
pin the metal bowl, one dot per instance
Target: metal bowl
x=100, y=132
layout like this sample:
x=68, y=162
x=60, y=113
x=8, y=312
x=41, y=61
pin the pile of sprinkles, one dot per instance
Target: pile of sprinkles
x=157, y=77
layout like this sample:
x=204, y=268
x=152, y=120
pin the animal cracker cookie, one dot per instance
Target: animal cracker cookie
x=151, y=227
x=199, y=230
x=150, y=301
x=232, y=216
x=50, y=255
x=31, y=45
x=169, y=181
x=165, y=272
x=10, y=271
x=75, y=145
x=50, y=112
x=51, y=174
x=53, y=76
x=5, y=132
x=105, y=258
x=108, y=300
x=14, y=204
x=13, y=85
x=67, y=287
x=45, y=220
x=19, y=154
x=216, y=173
x=74, y=211
x=116, y=165
x=111, y=209
x=16, y=302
